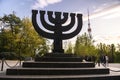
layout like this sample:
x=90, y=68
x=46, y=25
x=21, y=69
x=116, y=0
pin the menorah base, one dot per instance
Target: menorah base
x=61, y=51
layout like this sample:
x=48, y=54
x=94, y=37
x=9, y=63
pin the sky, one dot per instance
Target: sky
x=104, y=14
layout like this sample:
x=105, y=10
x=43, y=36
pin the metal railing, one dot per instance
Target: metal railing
x=4, y=62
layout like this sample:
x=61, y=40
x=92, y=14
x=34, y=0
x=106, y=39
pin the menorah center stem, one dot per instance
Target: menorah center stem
x=58, y=38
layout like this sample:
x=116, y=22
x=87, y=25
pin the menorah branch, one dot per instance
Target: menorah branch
x=51, y=18
x=44, y=23
x=65, y=18
x=37, y=28
x=71, y=24
x=78, y=29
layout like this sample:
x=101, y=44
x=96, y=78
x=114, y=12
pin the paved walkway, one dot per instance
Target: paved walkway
x=114, y=68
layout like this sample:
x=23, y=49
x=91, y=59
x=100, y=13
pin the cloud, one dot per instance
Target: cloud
x=107, y=39
x=112, y=11
x=44, y=3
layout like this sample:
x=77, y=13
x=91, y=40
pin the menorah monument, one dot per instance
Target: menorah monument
x=58, y=66
x=57, y=26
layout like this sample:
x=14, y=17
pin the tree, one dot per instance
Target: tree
x=84, y=46
x=30, y=40
x=108, y=50
x=19, y=36
x=117, y=54
x=70, y=48
x=11, y=26
x=112, y=52
x=12, y=21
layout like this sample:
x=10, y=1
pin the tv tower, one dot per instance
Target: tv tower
x=89, y=28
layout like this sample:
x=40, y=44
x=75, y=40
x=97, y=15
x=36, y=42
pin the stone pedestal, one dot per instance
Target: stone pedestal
x=58, y=67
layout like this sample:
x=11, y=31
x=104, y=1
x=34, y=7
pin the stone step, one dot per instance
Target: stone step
x=61, y=77
x=59, y=55
x=59, y=59
x=56, y=71
x=58, y=64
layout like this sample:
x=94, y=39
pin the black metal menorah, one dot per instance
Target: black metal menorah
x=58, y=29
